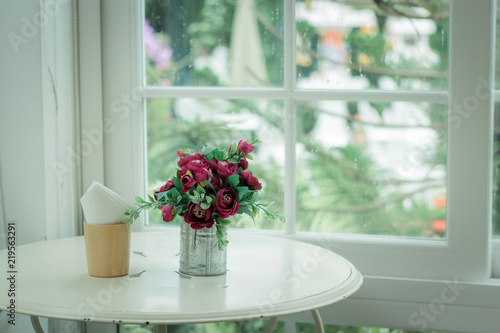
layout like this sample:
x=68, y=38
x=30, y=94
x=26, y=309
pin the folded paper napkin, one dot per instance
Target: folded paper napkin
x=103, y=206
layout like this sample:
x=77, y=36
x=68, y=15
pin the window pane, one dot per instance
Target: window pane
x=213, y=43
x=174, y=123
x=365, y=45
x=372, y=168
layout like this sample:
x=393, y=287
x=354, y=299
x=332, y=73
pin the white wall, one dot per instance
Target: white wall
x=21, y=130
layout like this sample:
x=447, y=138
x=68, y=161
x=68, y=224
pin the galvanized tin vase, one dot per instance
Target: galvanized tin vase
x=199, y=255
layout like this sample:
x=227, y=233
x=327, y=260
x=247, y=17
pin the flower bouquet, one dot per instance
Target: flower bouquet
x=210, y=185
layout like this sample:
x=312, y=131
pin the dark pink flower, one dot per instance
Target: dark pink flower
x=166, y=213
x=216, y=183
x=251, y=181
x=244, y=147
x=188, y=158
x=243, y=164
x=168, y=186
x=202, y=175
x=225, y=168
x=198, y=217
x=226, y=202
x=187, y=181
x=196, y=165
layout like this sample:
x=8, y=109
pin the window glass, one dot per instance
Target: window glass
x=174, y=123
x=372, y=168
x=213, y=43
x=372, y=44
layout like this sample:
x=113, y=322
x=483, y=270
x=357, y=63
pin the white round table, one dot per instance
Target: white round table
x=267, y=277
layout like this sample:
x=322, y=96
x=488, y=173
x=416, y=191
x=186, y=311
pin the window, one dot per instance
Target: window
x=390, y=166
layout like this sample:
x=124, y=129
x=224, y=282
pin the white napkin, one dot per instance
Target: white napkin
x=103, y=206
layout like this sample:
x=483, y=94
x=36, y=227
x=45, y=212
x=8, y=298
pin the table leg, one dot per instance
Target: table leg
x=36, y=324
x=270, y=325
x=160, y=328
x=317, y=321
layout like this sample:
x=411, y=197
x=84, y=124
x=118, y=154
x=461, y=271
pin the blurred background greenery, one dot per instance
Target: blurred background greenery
x=363, y=167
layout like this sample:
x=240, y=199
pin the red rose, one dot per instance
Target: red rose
x=226, y=202
x=245, y=147
x=166, y=213
x=186, y=159
x=202, y=175
x=251, y=181
x=213, y=164
x=198, y=217
x=225, y=168
x=243, y=164
x=169, y=185
x=196, y=165
x=216, y=183
x=187, y=181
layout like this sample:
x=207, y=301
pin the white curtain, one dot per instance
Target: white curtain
x=61, y=121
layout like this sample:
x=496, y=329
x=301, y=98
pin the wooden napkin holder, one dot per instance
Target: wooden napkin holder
x=107, y=248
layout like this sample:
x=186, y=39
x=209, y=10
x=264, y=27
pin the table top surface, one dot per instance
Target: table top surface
x=267, y=277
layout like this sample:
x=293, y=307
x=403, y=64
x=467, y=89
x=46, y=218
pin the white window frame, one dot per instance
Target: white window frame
x=401, y=275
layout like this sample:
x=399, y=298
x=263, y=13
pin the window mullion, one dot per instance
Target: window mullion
x=470, y=138
x=372, y=95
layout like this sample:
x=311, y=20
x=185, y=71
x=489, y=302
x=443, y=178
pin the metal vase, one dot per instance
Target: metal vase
x=199, y=254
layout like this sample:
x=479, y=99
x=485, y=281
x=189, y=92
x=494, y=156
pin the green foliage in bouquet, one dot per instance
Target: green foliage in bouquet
x=210, y=185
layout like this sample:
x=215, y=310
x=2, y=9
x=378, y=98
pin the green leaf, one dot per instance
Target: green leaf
x=223, y=221
x=208, y=149
x=270, y=216
x=255, y=210
x=242, y=190
x=220, y=155
x=192, y=147
x=245, y=209
x=179, y=199
x=233, y=180
x=177, y=184
x=205, y=205
x=139, y=200
x=208, y=199
x=200, y=189
x=234, y=148
x=151, y=198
